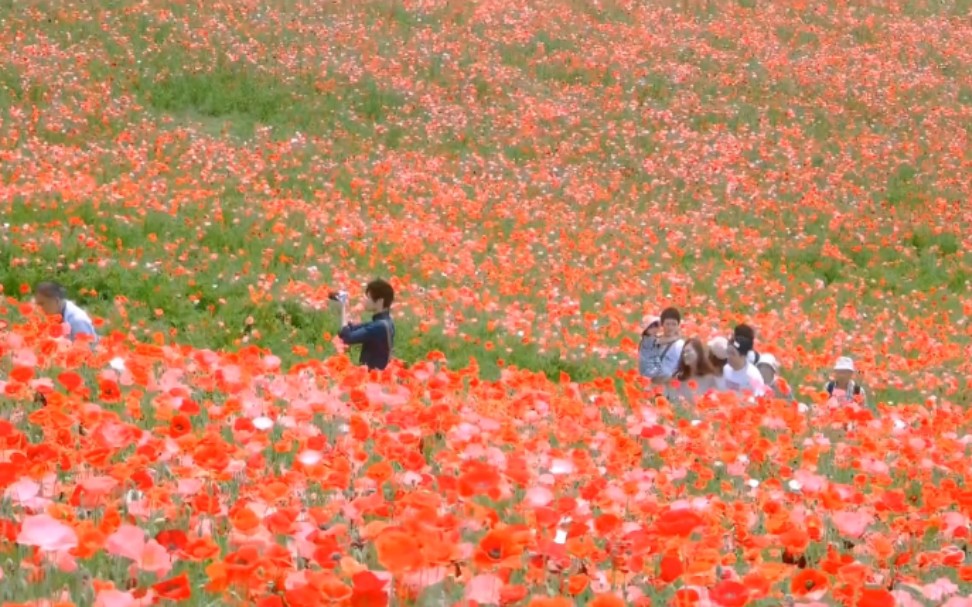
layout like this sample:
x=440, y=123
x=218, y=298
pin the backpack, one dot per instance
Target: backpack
x=650, y=362
x=855, y=389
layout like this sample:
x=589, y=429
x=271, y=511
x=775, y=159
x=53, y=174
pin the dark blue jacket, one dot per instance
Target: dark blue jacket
x=376, y=339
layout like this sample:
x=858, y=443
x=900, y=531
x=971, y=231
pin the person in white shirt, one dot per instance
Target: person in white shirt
x=51, y=297
x=739, y=374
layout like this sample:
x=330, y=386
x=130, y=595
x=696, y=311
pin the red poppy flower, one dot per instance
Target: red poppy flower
x=681, y=522
x=729, y=593
x=174, y=589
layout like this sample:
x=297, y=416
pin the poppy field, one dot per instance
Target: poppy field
x=535, y=179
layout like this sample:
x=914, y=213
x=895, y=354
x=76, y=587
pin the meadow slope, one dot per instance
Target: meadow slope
x=535, y=178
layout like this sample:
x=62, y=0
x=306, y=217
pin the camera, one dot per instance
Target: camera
x=339, y=296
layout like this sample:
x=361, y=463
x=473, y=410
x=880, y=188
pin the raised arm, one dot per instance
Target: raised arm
x=359, y=334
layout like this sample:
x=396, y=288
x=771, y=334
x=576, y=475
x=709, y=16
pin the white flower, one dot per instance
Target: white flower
x=795, y=485
x=117, y=363
x=753, y=483
x=309, y=458
x=263, y=423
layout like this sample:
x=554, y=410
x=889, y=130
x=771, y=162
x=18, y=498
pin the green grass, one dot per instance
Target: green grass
x=362, y=118
x=207, y=309
x=244, y=97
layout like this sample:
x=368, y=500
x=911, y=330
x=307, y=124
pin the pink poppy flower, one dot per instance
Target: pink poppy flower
x=47, y=534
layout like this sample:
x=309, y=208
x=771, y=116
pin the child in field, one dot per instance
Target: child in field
x=377, y=337
x=717, y=357
x=769, y=368
x=661, y=347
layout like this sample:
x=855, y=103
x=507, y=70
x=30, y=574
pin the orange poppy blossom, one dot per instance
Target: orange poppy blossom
x=430, y=533
x=535, y=178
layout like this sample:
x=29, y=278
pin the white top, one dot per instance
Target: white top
x=78, y=320
x=747, y=379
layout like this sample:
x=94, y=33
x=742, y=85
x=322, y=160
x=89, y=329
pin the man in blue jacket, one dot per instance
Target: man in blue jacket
x=377, y=338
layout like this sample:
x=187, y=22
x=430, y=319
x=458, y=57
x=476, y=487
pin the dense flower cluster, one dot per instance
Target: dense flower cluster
x=160, y=471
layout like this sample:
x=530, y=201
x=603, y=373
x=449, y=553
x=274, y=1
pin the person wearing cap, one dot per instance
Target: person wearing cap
x=717, y=351
x=739, y=374
x=842, y=386
x=661, y=347
x=769, y=368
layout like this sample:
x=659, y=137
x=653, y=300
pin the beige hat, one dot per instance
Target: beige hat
x=718, y=345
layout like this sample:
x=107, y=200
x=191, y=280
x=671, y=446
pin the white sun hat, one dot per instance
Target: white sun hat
x=769, y=359
x=844, y=363
x=718, y=345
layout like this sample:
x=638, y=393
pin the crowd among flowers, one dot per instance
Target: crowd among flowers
x=161, y=472
x=689, y=369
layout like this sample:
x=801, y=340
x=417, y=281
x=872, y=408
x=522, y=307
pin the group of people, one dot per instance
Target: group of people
x=689, y=369
x=376, y=337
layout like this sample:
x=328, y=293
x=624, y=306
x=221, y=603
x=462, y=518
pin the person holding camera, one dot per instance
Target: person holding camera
x=377, y=337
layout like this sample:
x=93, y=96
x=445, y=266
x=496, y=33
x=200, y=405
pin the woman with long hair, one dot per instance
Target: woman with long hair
x=695, y=374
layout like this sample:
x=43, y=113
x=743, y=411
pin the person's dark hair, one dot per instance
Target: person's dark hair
x=671, y=314
x=703, y=367
x=380, y=289
x=715, y=361
x=50, y=289
x=746, y=332
x=744, y=340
